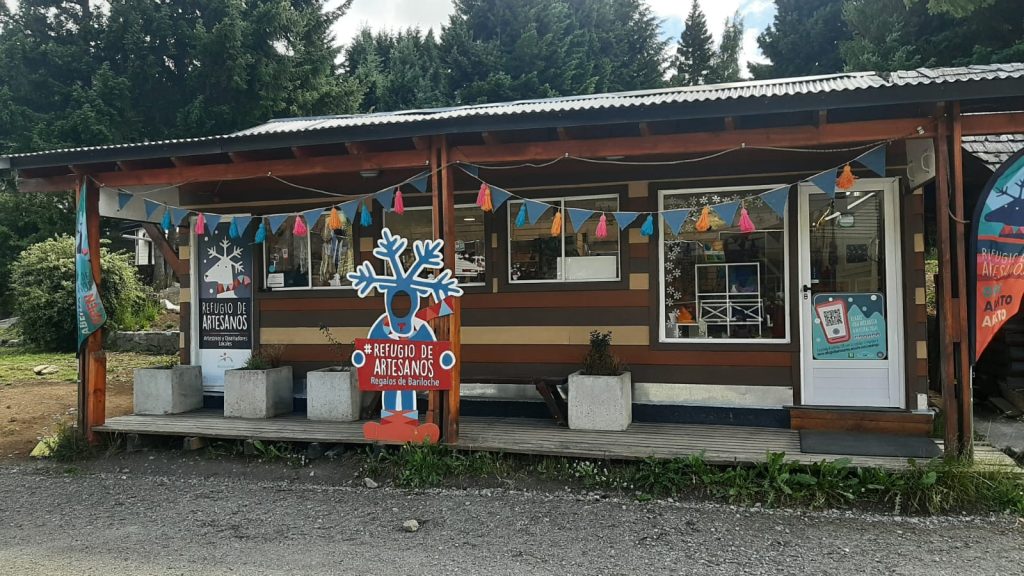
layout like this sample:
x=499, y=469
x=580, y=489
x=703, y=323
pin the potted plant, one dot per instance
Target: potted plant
x=262, y=388
x=332, y=393
x=167, y=389
x=601, y=394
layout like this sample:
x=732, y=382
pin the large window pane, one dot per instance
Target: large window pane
x=332, y=254
x=470, y=245
x=287, y=258
x=588, y=257
x=723, y=283
x=533, y=253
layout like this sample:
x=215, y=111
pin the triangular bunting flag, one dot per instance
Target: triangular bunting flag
x=777, y=199
x=578, y=217
x=275, y=221
x=177, y=215
x=445, y=310
x=123, y=198
x=151, y=207
x=212, y=220
x=499, y=196
x=349, y=210
x=311, y=216
x=624, y=219
x=727, y=212
x=386, y=198
x=874, y=160
x=242, y=223
x=470, y=169
x=826, y=181
x=674, y=219
x=420, y=183
x=534, y=210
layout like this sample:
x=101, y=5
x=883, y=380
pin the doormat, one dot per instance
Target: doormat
x=867, y=444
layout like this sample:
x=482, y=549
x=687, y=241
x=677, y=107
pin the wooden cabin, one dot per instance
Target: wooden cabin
x=714, y=324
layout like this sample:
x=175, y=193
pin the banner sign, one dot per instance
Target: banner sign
x=997, y=235
x=401, y=354
x=91, y=314
x=849, y=326
x=225, y=303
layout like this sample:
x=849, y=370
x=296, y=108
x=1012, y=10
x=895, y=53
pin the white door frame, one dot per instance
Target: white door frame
x=893, y=293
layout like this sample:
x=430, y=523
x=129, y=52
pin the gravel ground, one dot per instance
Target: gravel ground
x=144, y=514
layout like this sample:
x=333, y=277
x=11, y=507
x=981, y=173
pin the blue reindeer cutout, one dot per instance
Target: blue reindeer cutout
x=1011, y=214
x=399, y=416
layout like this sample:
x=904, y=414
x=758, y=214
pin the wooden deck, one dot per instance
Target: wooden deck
x=720, y=444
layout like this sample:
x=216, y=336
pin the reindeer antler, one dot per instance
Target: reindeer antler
x=1020, y=189
x=428, y=254
x=365, y=278
x=440, y=287
x=389, y=248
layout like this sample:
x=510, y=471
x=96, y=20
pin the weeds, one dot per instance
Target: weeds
x=68, y=444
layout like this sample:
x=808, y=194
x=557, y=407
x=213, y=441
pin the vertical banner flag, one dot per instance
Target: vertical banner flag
x=91, y=314
x=997, y=238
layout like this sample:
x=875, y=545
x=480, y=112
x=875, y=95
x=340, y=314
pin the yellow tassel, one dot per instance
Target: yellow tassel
x=556, y=224
x=334, y=220
x=846, y=179
x=704, y=222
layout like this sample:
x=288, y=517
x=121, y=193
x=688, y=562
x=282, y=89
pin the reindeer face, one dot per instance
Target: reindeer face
x=1011, y=213
x=402, y=306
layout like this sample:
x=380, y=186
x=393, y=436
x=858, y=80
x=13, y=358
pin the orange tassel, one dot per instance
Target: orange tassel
x=704, y=222
x=846, y=179
x=334, y=220
x=556, y=224
x=487, y=206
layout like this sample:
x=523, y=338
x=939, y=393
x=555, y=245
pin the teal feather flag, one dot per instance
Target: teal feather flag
x=521, y=217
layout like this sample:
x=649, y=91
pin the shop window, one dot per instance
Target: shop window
x=723, y=284
x=573, y=255
x=470, y=238
x=320, y=259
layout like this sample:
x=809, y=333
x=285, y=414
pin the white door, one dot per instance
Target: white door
x=851, y=312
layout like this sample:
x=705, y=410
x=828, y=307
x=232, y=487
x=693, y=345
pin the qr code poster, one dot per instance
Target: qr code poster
x=849, y=326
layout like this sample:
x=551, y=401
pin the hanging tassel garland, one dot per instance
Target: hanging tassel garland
x=166, y=222
x=846, y=179
x=488, y=205
x=233, y=231
x=556, y=224
x=480, y=195
x=746, y=224
x=299, y=230
x=200, y=224
x=647, y=230
x=364, y=217
x=261, y=232
x=602, y=227
x=399, y=207
x=521, y=217
x=334, y=220
x=704, y=222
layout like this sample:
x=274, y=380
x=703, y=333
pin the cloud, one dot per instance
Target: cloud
x=391, y=15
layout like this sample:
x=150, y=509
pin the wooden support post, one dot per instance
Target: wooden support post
x=962, y=347
x=92, y=364
x=944, y=289
x=451, y=413
x=435, y=410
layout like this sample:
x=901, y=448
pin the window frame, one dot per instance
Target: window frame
x=565, y=217
x=787, y=294
x=484, y=221
x=309, y=256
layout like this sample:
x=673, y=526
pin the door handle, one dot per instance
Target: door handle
x=806, y=290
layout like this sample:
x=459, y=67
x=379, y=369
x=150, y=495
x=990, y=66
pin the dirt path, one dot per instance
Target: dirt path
x=137, y=515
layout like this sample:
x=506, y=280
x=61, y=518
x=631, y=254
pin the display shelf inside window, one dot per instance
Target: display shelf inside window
x=287, y=258
x=332, y=254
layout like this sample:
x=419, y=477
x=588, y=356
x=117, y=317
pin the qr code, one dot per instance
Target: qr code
x=832, y=317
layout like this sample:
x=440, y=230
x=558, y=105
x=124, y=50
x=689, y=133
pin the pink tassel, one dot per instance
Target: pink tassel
x=746, y=224
x=481, y=194
x=201, y=224
x=399, y=207
x=602, y=227
x=300, y=229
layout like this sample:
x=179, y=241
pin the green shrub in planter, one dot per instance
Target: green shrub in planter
x=43, y=283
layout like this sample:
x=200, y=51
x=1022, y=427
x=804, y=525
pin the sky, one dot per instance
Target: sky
x=396, y=14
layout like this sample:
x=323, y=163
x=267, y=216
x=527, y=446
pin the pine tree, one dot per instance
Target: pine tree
x=395, y=71
x=803, y=40
x=725, y=65
x=694, y=53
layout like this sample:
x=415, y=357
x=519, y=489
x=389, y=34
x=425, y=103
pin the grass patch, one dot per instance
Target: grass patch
x=16, y=365
x=67, y=444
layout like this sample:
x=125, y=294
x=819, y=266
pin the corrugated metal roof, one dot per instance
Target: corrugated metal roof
x=994, y=150
x=738, y=92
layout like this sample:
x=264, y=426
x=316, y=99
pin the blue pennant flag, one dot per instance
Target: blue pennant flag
x=275, y=221
x=674, y=219
x=624, y=219
x=727, y=211
x=151, y=207
x=311, y=216
x=534, y=210
x=874, y=160
x=123, y=198
x=498, y=196
x=349, y=210
x=212, y=220
x=826, y=181
x=177, y=215
x=386, y=198
x=242, y=222
x=578, y=217
x=777, y=200
x=470, y=169
x=420, y=183
x=445, y=310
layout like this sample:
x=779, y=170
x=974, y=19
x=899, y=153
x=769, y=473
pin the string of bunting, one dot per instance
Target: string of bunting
x=490, y=198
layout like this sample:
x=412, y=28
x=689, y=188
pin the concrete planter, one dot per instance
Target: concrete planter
x=168, y=390
x=257, y=393
x=332, y=394
x=600, y=402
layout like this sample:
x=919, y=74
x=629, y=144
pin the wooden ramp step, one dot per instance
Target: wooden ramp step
x=900, y=422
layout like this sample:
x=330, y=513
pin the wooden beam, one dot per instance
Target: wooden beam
x=993, y=124
x=451, y=428
x=436, y=399
x=822, y=117
x=239, y=157
x=302, y=152
x=962, y=349
x=356, y=147
x=421, y=142
x=155, y=234
x=563, y=133
x=490, y=138
x=92, y=375
x=129, y=165
x=944, y=288
x=244, y=171
x=730, y=123
x=180, y=161
x=700, y=142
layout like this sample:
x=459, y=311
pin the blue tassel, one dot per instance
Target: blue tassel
x=261, y=232
x=233, y=231
x=647, y=230
x=364, y=218
x=166, y=223
x=521, y=217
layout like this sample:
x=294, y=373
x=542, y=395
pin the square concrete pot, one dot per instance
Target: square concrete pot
x=170, y=390
x=600, y=402
x=257, y=393
x=332, y=394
